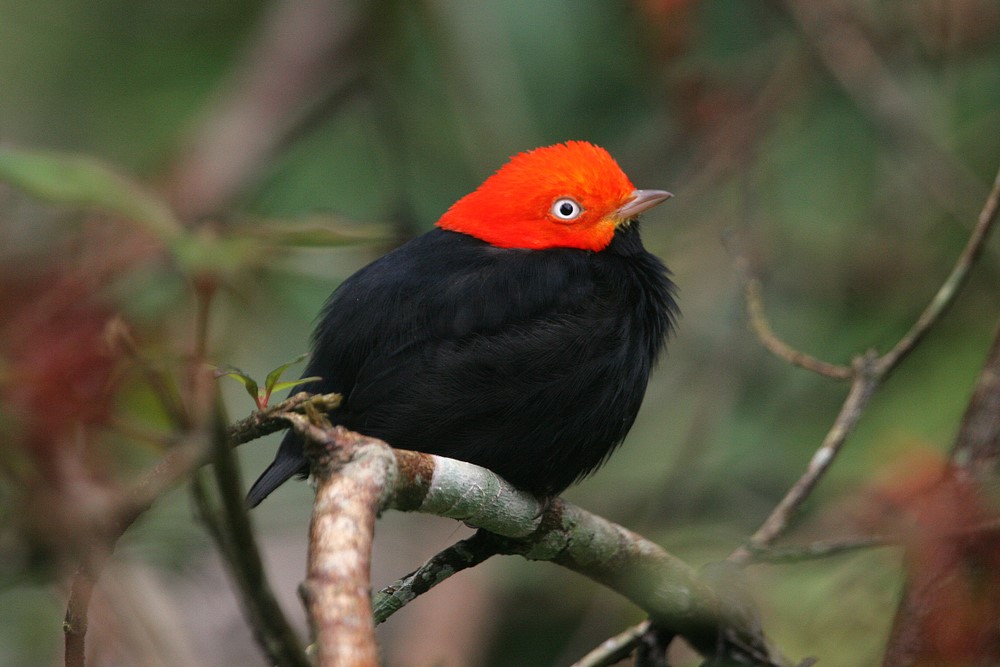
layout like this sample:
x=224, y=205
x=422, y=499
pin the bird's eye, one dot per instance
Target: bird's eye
x=566, y=208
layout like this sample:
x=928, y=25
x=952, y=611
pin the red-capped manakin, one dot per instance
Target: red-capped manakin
x=519, y=334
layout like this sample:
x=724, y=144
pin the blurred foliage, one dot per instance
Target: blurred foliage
x=727, y=103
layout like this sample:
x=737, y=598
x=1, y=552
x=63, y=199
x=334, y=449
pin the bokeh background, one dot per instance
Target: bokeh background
x=844, y=147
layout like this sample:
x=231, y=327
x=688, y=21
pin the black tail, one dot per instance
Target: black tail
x=288, y=462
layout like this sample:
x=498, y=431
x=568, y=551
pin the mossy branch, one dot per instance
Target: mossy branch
x=381, y=478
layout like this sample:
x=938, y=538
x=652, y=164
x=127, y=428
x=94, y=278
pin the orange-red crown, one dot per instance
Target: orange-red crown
x=569, y=195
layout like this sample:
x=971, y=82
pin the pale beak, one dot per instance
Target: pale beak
x=641, y=200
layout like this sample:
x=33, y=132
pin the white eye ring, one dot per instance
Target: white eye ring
x=566, y=208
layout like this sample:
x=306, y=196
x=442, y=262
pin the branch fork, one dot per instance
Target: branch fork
x=358, y=476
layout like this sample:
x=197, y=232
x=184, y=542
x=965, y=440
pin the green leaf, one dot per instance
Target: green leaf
x=205, y=252
x=281, y=386
x=317, y=232
x=243, y=378
x=272, y=378
x=84, y=182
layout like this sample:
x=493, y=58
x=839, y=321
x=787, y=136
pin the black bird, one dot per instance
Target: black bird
x=518, y=335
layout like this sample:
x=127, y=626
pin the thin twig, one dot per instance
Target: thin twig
x=271, y=420
x=869, y=373
x=192, y=451
x=778, y=347
x=134, y=500
x=946, y=294
x=862, y=389
x=177, y=465
x=826, y=549
x=233, y=533
x=838, y=35
x=75, y=623
x=188, y=453
x=821, y=549
x=760, y=325
x=614, y=649
x=104, y=531
x=459, y=556
x=302, y=55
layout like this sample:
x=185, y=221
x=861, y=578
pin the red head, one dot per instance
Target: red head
x=571, y=195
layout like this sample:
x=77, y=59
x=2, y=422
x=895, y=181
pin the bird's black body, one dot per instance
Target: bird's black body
x=532, y=363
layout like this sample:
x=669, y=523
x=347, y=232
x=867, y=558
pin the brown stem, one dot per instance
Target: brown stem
x=946, y=294
x=837, y=32
x=869, y=373
x=825, y=549
x=822, y=549
x=459, y=556
x=779, y=348
x=271, y=420
x=862, y=389
x=75, y=623
x=615, y=649
x=336, y=593
x=176, y=466
x=675, y=597
x=234, y=535
x=352, y=473
x=761, y=326
x=301, y=55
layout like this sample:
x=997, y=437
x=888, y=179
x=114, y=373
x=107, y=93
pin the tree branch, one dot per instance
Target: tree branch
x=870, y=371
x=762, y=327
x=459, y=556
x=836, y=31
x=821, y=549
x=946, y=294
x=615, y=649
x=825, y=549
x=777, y=347
x=301, y=56
x=353, y=473
x=75, y=623
x=862, y=388
x=231, y=529
x=668, y=589
x=273, y=419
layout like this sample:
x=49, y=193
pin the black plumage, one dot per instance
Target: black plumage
x=532, y=363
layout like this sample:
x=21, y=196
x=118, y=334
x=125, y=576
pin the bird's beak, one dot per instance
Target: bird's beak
x=640, y=201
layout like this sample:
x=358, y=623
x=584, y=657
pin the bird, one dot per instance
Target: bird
x=518, y=334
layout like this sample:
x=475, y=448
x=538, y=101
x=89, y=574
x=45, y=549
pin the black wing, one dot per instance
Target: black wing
x=426, y=291
x=530, y=363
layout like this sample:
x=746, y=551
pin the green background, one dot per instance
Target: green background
x=851, y=217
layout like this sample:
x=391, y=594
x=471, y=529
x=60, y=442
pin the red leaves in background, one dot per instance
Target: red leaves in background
x=58, y=370
x=951, y=533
